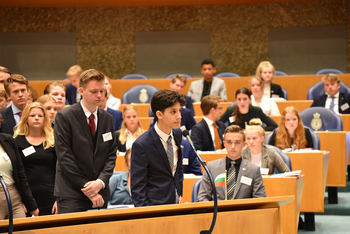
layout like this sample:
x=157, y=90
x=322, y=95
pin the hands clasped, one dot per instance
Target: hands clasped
x=91, y=190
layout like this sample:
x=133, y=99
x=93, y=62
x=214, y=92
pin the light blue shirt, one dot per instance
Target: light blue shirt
x=15, y=112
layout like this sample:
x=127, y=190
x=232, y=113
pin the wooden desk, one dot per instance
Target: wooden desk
x=145, y=122
x=314, y=165
x=299, y=104
x=262, y=215
x=346, y=122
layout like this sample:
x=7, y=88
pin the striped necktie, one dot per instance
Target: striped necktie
x=231, y=181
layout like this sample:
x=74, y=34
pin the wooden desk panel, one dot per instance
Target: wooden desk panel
x=299, y=104
x=314, y=166
x=142, y=108
x=145, y=122
x=346, y=122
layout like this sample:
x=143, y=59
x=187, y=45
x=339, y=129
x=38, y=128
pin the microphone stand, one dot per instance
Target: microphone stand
x=9, y=204
x=213, y=186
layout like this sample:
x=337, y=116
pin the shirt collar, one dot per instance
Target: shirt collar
x=228, y=162
x=336, y=95
x=209, y=122
x=162, y=134
x=87, y=112
x=15, y=110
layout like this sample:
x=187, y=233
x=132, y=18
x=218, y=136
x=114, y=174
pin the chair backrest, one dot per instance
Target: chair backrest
x=134, y=76
x=285, y=158
x=227, y=74
x=285, y=93
x=195, y=189
x=174, y=74
x=321, y=119
x=317, y=90
x=280, y=73
x=139, y=94
x=233, y=103
x=325, y=71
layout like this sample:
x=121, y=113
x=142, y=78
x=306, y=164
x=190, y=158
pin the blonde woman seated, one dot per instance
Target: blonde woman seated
x=267, y=105
x=131, y=128
x=257, y=152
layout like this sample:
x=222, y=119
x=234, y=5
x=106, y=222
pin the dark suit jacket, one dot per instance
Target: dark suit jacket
x=187, y=119
x=189, y=104
x=192, y=165
x=9, y=121
x=343, y=98
x=10, y=147
x=71, y=94
x=277, y=90
x=79, y=160
x=120, y=147
x=152, y=181
x=201, y=136
x=117, y=118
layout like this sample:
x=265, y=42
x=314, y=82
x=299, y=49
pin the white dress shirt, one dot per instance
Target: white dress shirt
x=336, y=103
x=211, y=129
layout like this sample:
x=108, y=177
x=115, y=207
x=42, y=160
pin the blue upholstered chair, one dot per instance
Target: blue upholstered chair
x=317, y=90
x=285, y=94
x=326, y=71
x=139, y=94
x=280, y=73
x=195, y=189
x=285, y=158
x=174, y=74
x=134, y=76
x=321, y=119
x=227, y=74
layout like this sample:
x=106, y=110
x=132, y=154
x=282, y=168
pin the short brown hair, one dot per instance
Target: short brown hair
x=15, y=78
x=331, y=77
x=74, y=70
x=234, y=129
x=208, y=102
x=89, y=75
x=5, y=70
x=48, y=87
x=33, y=93
x=179, y=77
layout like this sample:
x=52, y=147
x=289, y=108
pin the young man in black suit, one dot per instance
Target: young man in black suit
x=156, y=157
x=207, y=135
x=16, y=87
x=85, y=149
x=333, y=99
x=178, y=83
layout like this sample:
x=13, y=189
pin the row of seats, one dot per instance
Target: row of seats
x=136, y=76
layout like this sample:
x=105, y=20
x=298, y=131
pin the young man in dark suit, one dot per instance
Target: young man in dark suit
x=178, y=83
x=72, y=89
x=16, y=87
x=156, y=157
x=207, y=135
x=333, y=99
x=117, y=115
x=85, y=149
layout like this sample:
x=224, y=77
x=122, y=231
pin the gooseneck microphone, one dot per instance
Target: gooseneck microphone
x=9, y=204
x=186, y=134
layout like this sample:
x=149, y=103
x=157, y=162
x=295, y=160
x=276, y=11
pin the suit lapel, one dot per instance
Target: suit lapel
x=81, y=118
x=159, y=146
x=242, y=172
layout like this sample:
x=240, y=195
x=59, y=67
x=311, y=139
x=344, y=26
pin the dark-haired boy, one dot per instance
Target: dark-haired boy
x=156, y=157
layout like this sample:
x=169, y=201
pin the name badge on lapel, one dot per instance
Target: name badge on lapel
x=185, y=161
x=6, y=157
x=246, y=180
x=344, y=107
x=107, y=136
x=232, y=119
x=28, y=151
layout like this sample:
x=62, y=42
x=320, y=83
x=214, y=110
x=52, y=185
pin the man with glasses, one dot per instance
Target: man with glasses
x=243, y=178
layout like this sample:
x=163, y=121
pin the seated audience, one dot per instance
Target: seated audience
x=33, y=94
x=257, y=152
x=58, y=91
x=12, y=170
x=16, y=87
x=268, y=105
x=50, y=105
x=243, y=112
x=207, y=135
x=210, y=85
x=119, y=185
x=112, y=102
x=187, y=119
x=72, y=89
x=4, y=74
x=267, y=72
x=190, y=162
x=178, y=83
x=131, y=128
x=3, y=98
x=35, y=142
x=333, y=99
x=237, y=168
x=117, y=115
x=291, y=132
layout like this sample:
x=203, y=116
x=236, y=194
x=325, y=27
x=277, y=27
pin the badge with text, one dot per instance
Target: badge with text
x=107, y=136
x=344, y=107
x=275, y=96
x=264, y=171
x=28, y=151
x=6, y=157
x=246, y=180
x=232, y=119
x=185, y=161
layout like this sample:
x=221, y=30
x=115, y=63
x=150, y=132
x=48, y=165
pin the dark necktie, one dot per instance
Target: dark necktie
x=20, y=115
x=170, y=153
x=332, y=104
x=92, y=125
x=231, y=181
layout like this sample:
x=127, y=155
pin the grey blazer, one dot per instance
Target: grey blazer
x=218, y=87
x=255, y=190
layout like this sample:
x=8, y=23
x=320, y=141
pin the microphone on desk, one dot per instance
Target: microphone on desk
x=9, y=204
x=185, y=133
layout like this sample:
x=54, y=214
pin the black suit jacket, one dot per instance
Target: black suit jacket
x=277, y=90
x=79, y=160
x=189, y=104
x=152, y=181
x=9, y=121
x=201, y=136
x=121, y=147
x=10, y=147
x=71, y=94
x=343, y=99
